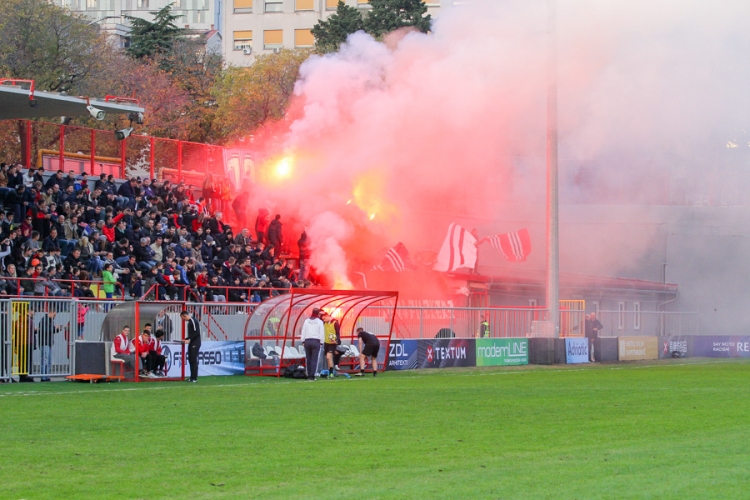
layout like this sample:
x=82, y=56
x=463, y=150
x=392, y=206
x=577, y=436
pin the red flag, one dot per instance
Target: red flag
x=396, y=259
x=458, y=250
x=513, y=246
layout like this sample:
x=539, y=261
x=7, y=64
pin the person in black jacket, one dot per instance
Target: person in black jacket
x=275, y=238
x=193, y=340
x=44, y=340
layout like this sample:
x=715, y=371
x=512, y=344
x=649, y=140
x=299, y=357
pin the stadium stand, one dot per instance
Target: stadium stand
x=128, y=238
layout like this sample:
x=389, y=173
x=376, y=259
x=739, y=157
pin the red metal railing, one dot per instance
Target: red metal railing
x=66, y=285
x=188, y=293
x=81, y=149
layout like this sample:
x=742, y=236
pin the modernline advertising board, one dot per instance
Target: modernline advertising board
x=502, y=352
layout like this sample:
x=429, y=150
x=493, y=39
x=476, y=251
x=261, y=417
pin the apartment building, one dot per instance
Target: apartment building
x=111, y=15
x=253, y=27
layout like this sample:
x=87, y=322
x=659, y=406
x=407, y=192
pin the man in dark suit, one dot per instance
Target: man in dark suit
x=193, y=340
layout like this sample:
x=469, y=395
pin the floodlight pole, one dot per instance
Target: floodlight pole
x=553, y=271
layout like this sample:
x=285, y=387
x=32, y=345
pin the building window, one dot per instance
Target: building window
x=621, y=315
x=595, y=304
x=142, y=4
x=304, y=5
x=303, y=38
x=637, y=316
x=532, y=302
x=273, y=39
x=332, y=4
x=243, y=6
x=92, y=4
x=243, y=40
x=274, y=6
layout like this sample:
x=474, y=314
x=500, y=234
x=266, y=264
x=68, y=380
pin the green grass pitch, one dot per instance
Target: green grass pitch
x=669, y=429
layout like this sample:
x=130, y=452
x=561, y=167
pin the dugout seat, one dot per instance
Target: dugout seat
x=291, y=353
x=114, y=362
x=353, y=351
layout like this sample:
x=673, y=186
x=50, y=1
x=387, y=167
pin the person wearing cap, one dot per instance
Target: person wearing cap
x=313, y=334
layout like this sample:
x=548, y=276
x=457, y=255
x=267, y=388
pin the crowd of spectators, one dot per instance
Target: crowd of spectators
x=60, y=233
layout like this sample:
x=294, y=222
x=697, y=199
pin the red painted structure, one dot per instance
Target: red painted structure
x=278, y=322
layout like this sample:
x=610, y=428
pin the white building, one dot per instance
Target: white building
x=111, y=15
x=254, y=27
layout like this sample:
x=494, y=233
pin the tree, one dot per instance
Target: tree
x=195, y=71
x=248, y=96
x=48, y=44
x=388, y=15
x=148, y=38
x=331, y=33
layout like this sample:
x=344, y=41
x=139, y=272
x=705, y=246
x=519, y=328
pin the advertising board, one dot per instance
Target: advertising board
x=721, y=346
x=502, y=352
x=637, y=348
x=445, y=353
x=215, y=358
x=674, y=347
x=402, y=355
x=576, y=350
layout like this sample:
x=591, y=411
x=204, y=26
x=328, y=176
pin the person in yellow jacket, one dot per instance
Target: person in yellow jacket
x=331, y=341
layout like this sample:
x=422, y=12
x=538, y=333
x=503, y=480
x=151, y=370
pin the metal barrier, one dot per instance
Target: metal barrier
x=466, y=322
x=68, y=288
x=65, y=147
x=430, y=322
x=647, y=323
x=220, y=321
x=41, y=340
x=5, y=343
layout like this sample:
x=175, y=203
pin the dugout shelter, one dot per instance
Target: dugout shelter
x=276, y=325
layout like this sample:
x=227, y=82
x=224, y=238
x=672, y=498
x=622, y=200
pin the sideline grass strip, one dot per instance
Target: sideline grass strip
x=671, y=429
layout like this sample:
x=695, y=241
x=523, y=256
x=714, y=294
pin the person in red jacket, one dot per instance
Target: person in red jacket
x=109, y=228
x=160, y=361
x=122, y=347
x=145, y=358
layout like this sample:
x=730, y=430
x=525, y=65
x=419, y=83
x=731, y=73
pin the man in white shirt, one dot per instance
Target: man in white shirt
x=313, y=334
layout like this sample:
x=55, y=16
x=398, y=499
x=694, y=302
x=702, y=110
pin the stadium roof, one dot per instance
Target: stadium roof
x=15, y=104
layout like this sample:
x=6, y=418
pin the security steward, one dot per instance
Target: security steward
x=484, y=328
x=193, y=340
x=331, y=342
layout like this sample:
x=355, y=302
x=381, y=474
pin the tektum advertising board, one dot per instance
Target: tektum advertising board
x=502, y=352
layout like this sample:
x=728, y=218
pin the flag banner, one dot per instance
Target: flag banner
x=458, y=251
x=513, y=246
x=396, y=259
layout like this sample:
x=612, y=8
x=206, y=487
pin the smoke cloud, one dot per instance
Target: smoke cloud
x=391, y=141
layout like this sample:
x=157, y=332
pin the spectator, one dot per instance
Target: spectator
x=304, y=255
x=109, y=280
x=261, y=225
